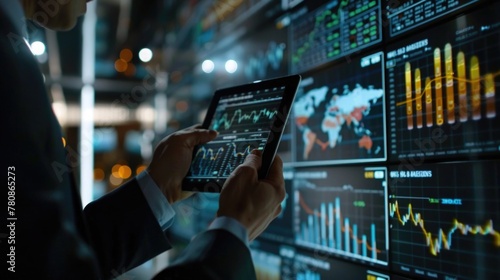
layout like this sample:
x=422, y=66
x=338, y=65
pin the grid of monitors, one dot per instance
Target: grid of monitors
x=392, y=149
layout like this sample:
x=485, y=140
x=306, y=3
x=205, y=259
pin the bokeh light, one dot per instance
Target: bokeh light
x=145, y=55
x=124, y=172
x=139, y=169
x=181, y=106
x=98, y=174
x=121, y=65
x=37, y=48
x=115, y=170
x=231, y=66
x=115, y=181
x=208, y=66
x=126, y=54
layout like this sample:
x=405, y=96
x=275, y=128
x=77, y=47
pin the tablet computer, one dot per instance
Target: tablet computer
x=247, y=117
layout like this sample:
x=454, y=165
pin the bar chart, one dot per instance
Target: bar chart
x=442, y=89
x=448, y=88
x=347, y=219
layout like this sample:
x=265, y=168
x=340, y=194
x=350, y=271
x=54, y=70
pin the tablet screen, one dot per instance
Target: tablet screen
x=245, y=120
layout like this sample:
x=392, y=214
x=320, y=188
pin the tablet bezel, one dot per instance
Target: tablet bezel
x=291, y=84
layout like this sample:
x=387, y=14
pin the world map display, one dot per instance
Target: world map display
x=337, y=124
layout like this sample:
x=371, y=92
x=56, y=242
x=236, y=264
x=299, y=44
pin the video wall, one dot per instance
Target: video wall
x=392, y=151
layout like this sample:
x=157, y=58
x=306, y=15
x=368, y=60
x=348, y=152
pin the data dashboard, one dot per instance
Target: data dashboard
x=392, y=150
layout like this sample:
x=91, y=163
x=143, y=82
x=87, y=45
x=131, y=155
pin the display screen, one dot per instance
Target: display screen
x=332, y=31
x=339, y=114
x=444, y=220
x=244, y=121
x=343, y=211
x=268, y=262
x=316, y=266
x=442, y=88
x=404, y=15
x=274, y=262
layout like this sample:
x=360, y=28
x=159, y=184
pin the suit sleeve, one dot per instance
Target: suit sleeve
x=212, y=255
x=123, y=231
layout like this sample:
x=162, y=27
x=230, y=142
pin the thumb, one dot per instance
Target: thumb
x=254, y=159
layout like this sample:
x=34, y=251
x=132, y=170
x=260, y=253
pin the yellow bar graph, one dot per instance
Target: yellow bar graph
x=489, y=85
x=469, y=96
x=428, y=102
x=475, y=88
x=462, y=87
x=450, y=96
x=409, y=96
x=418, y=97
x=439, y=87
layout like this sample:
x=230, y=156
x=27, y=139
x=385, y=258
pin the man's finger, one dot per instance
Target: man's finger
x=254, y=159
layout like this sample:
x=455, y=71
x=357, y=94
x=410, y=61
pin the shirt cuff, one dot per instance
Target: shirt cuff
x=159, y=205
x=231, y=225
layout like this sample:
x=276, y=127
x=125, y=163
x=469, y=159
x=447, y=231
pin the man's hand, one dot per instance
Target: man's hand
x=172, y=158
x=253, y=202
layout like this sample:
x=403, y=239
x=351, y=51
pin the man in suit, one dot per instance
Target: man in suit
x=51, y=237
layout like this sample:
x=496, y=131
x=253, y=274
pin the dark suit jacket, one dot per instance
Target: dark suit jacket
x=53, y=237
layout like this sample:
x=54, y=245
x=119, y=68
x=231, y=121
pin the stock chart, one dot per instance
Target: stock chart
x=444, y=220
x=243, y=122
x=332, y=31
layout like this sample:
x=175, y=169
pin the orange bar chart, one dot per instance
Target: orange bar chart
x=438, y=87
x=418, y=99
x=409, y=95
x=460, y=97
x=450, y=98
x=489, y=85
x=428, y=102
x=462, y=87
x=475, y=88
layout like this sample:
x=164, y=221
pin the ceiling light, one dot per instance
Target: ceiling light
x=37, y=48
x=231, y=66
x=145, y=55
x=208, y=66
